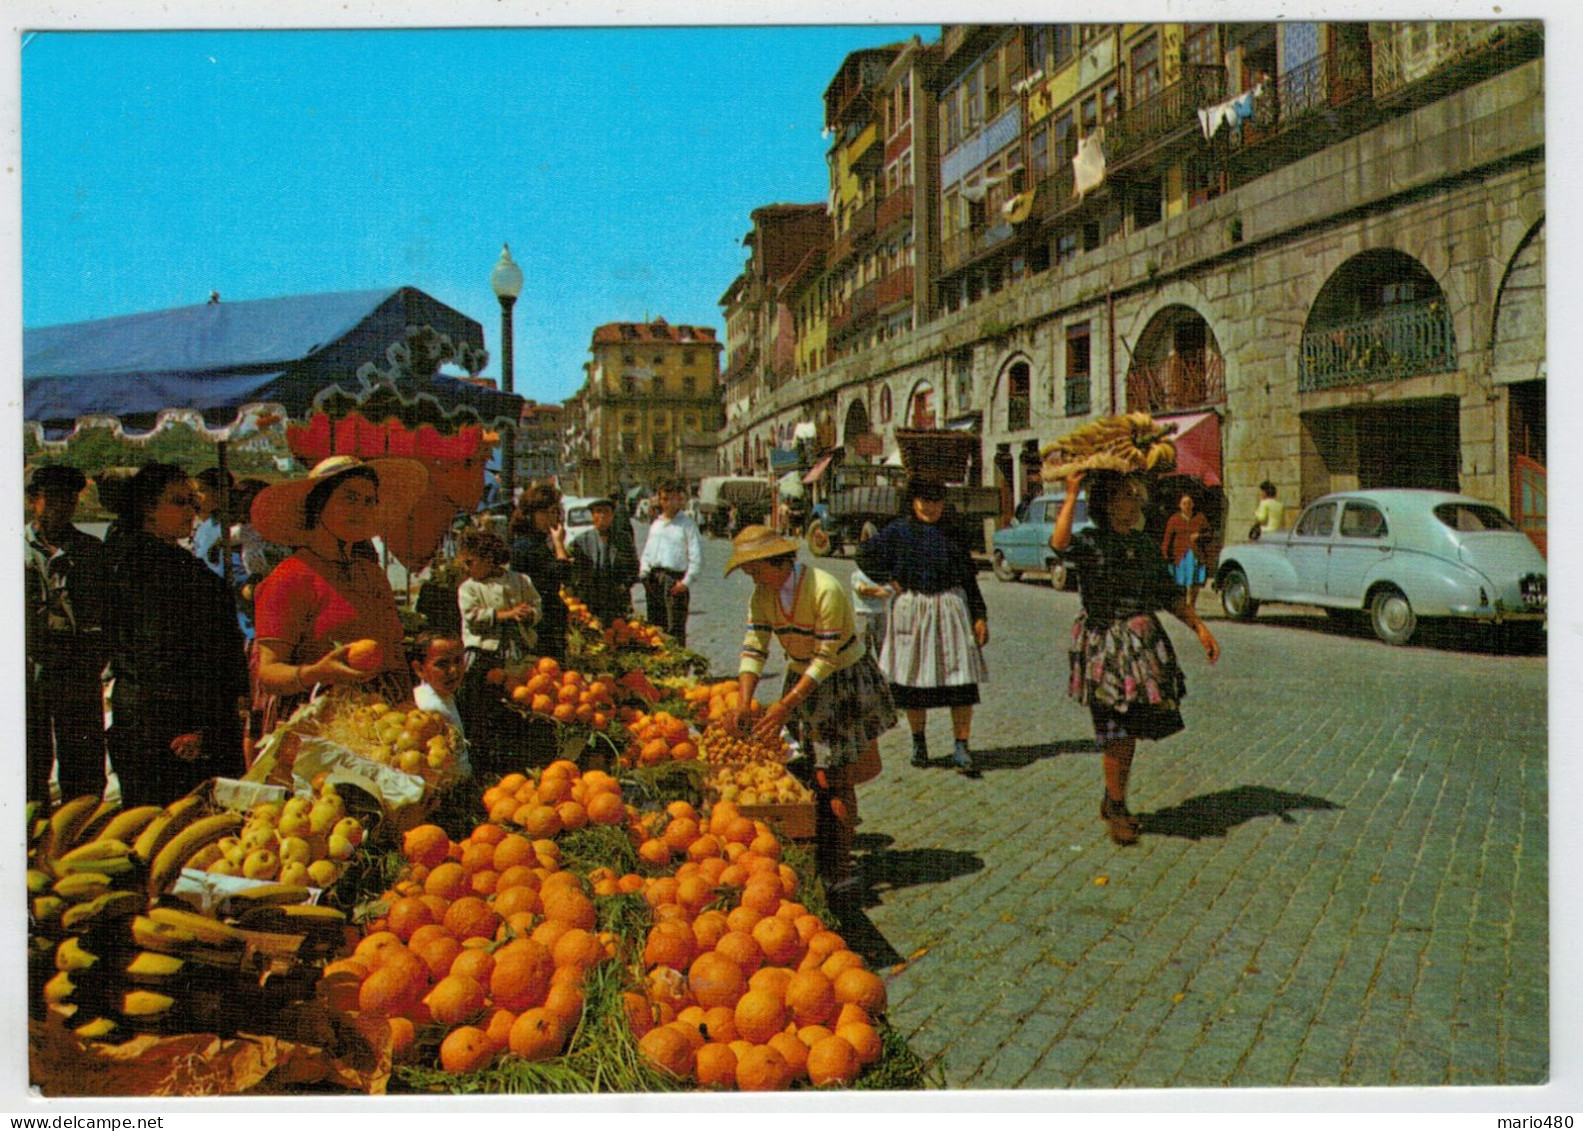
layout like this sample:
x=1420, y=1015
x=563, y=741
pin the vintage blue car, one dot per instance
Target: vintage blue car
x=1394, y=555
x=1024, y=546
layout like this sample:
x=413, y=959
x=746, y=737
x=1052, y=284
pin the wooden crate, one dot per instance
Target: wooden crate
x=791, y=821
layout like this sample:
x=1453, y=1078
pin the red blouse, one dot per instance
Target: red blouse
x=1178, y=537
x=305, y=616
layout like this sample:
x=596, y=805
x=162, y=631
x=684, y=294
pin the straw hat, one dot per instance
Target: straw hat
x=755, y=543
x=278, y=511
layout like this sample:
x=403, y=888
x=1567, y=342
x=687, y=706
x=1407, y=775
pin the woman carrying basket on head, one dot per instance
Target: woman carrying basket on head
x=834, y=700
x=1122, y=664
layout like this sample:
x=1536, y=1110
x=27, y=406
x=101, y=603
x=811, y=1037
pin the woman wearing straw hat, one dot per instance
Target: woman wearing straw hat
x=329, y=593
x=175, y=648
x=834, y=700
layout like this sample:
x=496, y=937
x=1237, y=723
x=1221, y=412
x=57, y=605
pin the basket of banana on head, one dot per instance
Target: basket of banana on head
x=1128, y=444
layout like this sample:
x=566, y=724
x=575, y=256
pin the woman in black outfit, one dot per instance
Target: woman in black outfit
x=938, y=626
x=176, y=649
x=538, y=549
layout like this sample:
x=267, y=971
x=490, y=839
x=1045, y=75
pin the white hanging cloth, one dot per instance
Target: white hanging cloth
x=1088, y=167
x=1229, y=112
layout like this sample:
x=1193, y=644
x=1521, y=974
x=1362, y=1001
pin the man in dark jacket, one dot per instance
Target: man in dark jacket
x=605, y=567
x=65, y=571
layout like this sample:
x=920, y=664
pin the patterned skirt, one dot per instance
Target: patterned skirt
x=930, y=656
x=1125, y=671
x=845, y=713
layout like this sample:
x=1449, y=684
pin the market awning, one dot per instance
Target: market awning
x=301, y=354
x=1197, y=442
x=818, y=469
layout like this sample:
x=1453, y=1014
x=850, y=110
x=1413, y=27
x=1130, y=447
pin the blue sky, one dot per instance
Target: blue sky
x=621, y=164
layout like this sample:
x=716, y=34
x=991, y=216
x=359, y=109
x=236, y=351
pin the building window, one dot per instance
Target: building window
x=690, y=422
x=1035, y=41
x=1019, y=397
x=1199, y=46
x=973, y=102
x=629, y=420
x=1061, y=43
x=1078, y=370
x=1109, y=102
x=662, y=444
x=886, y=405
x=687, y=357
x=953, y=120
x=689, y=384
x=1145, y=70
x=659, y=359
x=962, y=378
x=629, y=384
x=629, y=443
x=626, y=359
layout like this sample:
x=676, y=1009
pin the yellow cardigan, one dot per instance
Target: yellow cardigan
x=820, y=637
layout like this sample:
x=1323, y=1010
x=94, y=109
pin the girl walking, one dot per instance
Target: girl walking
x=1122, y=664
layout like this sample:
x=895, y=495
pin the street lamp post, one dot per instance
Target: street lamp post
x=506, y=280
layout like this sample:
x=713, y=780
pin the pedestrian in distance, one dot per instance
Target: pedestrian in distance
x=65, y=652
x=1269, y=514
x=498, y=607
x=672, y=556
x=604, y=567
x=1184, y=547
x=176, y=652
x=1122, y=665
x=938, y=624
x=834, y=701
x=538, y=549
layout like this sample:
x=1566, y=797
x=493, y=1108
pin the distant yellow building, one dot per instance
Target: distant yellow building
x=650, y=404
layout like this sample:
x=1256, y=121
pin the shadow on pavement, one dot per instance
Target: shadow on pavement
x=880, y=869
x=1443, y=634
x=1016, y=757
x=1215, y=814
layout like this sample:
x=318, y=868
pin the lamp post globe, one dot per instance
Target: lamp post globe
x=506, y=281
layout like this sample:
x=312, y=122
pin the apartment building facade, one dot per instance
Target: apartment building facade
x=1319, y=248
x=651, y=400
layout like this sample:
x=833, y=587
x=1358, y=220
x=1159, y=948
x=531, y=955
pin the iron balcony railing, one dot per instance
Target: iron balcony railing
x=1325, y=83
x=1171, y=111
x=1392, y=344
x=863, y=221
x=961, y=247
x=895, y=287
x=1177, y=383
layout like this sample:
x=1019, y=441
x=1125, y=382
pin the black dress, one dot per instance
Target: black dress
x=179, y=662
x=1123, y=666
x=532, y=554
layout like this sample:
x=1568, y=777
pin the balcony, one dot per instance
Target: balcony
x=961, y=248
x=1390, y=345
x=1165, y=117
x=856, y=236
x=894, y=208
x=1056, y=195
x=894, y=288
x=1177, y=383
x=1308, y=107
x=855, y=313
x=862, y=221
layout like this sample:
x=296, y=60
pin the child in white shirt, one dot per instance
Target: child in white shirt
x=499, y=608
x=439, y=664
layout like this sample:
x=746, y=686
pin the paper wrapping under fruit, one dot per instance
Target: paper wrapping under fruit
x=208, y=892
x=400, y=794
x=310, y=1045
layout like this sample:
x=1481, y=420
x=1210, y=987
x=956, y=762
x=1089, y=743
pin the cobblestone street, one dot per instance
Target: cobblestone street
x=1342, y=878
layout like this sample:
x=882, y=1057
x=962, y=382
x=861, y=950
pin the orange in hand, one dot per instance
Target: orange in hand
x=365, y=655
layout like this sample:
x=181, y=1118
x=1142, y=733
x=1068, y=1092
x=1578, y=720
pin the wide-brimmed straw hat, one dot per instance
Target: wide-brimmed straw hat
x=755, y=543
x=279, y=511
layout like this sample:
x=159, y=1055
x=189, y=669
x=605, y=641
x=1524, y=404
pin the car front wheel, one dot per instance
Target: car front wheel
x=1058, y=577
x=1235, y=597
x=1392, y=616
x=1003, y=572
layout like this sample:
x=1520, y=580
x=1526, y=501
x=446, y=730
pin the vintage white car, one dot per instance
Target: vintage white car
x=1396, y=555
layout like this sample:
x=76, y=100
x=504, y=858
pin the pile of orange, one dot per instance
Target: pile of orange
x=563, y=694
x=743, y=986
x=559, y=797
x=489, y=937
x=718, y=745
x=578, y=614
x=658, y=738
x=634, y=635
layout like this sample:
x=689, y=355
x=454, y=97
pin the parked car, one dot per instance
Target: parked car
x=1024, y=546
x=1394, y=555
x=578, y=519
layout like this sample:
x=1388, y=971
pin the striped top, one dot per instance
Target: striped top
x=820, y=636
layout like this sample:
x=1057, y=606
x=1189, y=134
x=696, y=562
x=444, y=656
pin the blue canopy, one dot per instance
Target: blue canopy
x=304, y=354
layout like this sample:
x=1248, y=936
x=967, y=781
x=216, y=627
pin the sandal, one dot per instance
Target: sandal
x=1119, y=823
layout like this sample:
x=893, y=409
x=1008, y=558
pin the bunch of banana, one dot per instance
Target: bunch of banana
x=1130, y=443
x=174, y=969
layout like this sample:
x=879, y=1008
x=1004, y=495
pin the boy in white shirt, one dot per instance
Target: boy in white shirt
x=672, y=556
x=439, y=665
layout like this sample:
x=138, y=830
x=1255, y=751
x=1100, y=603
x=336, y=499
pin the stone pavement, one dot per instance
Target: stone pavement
x=1342, y=878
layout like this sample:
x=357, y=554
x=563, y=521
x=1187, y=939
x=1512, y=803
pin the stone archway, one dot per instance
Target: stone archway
x=922, y=409
x=1177, y=365
x=1012, y=398
x=1380, y=317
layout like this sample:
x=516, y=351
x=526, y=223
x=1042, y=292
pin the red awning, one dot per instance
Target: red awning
x=818, y=469
x=1197, y=445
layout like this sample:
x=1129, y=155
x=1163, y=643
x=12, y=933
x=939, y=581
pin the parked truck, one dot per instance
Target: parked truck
x=859, y=499
x=718, y=494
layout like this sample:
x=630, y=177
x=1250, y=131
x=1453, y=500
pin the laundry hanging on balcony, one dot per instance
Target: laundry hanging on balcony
x=1228, y=113
x=1088, y=167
